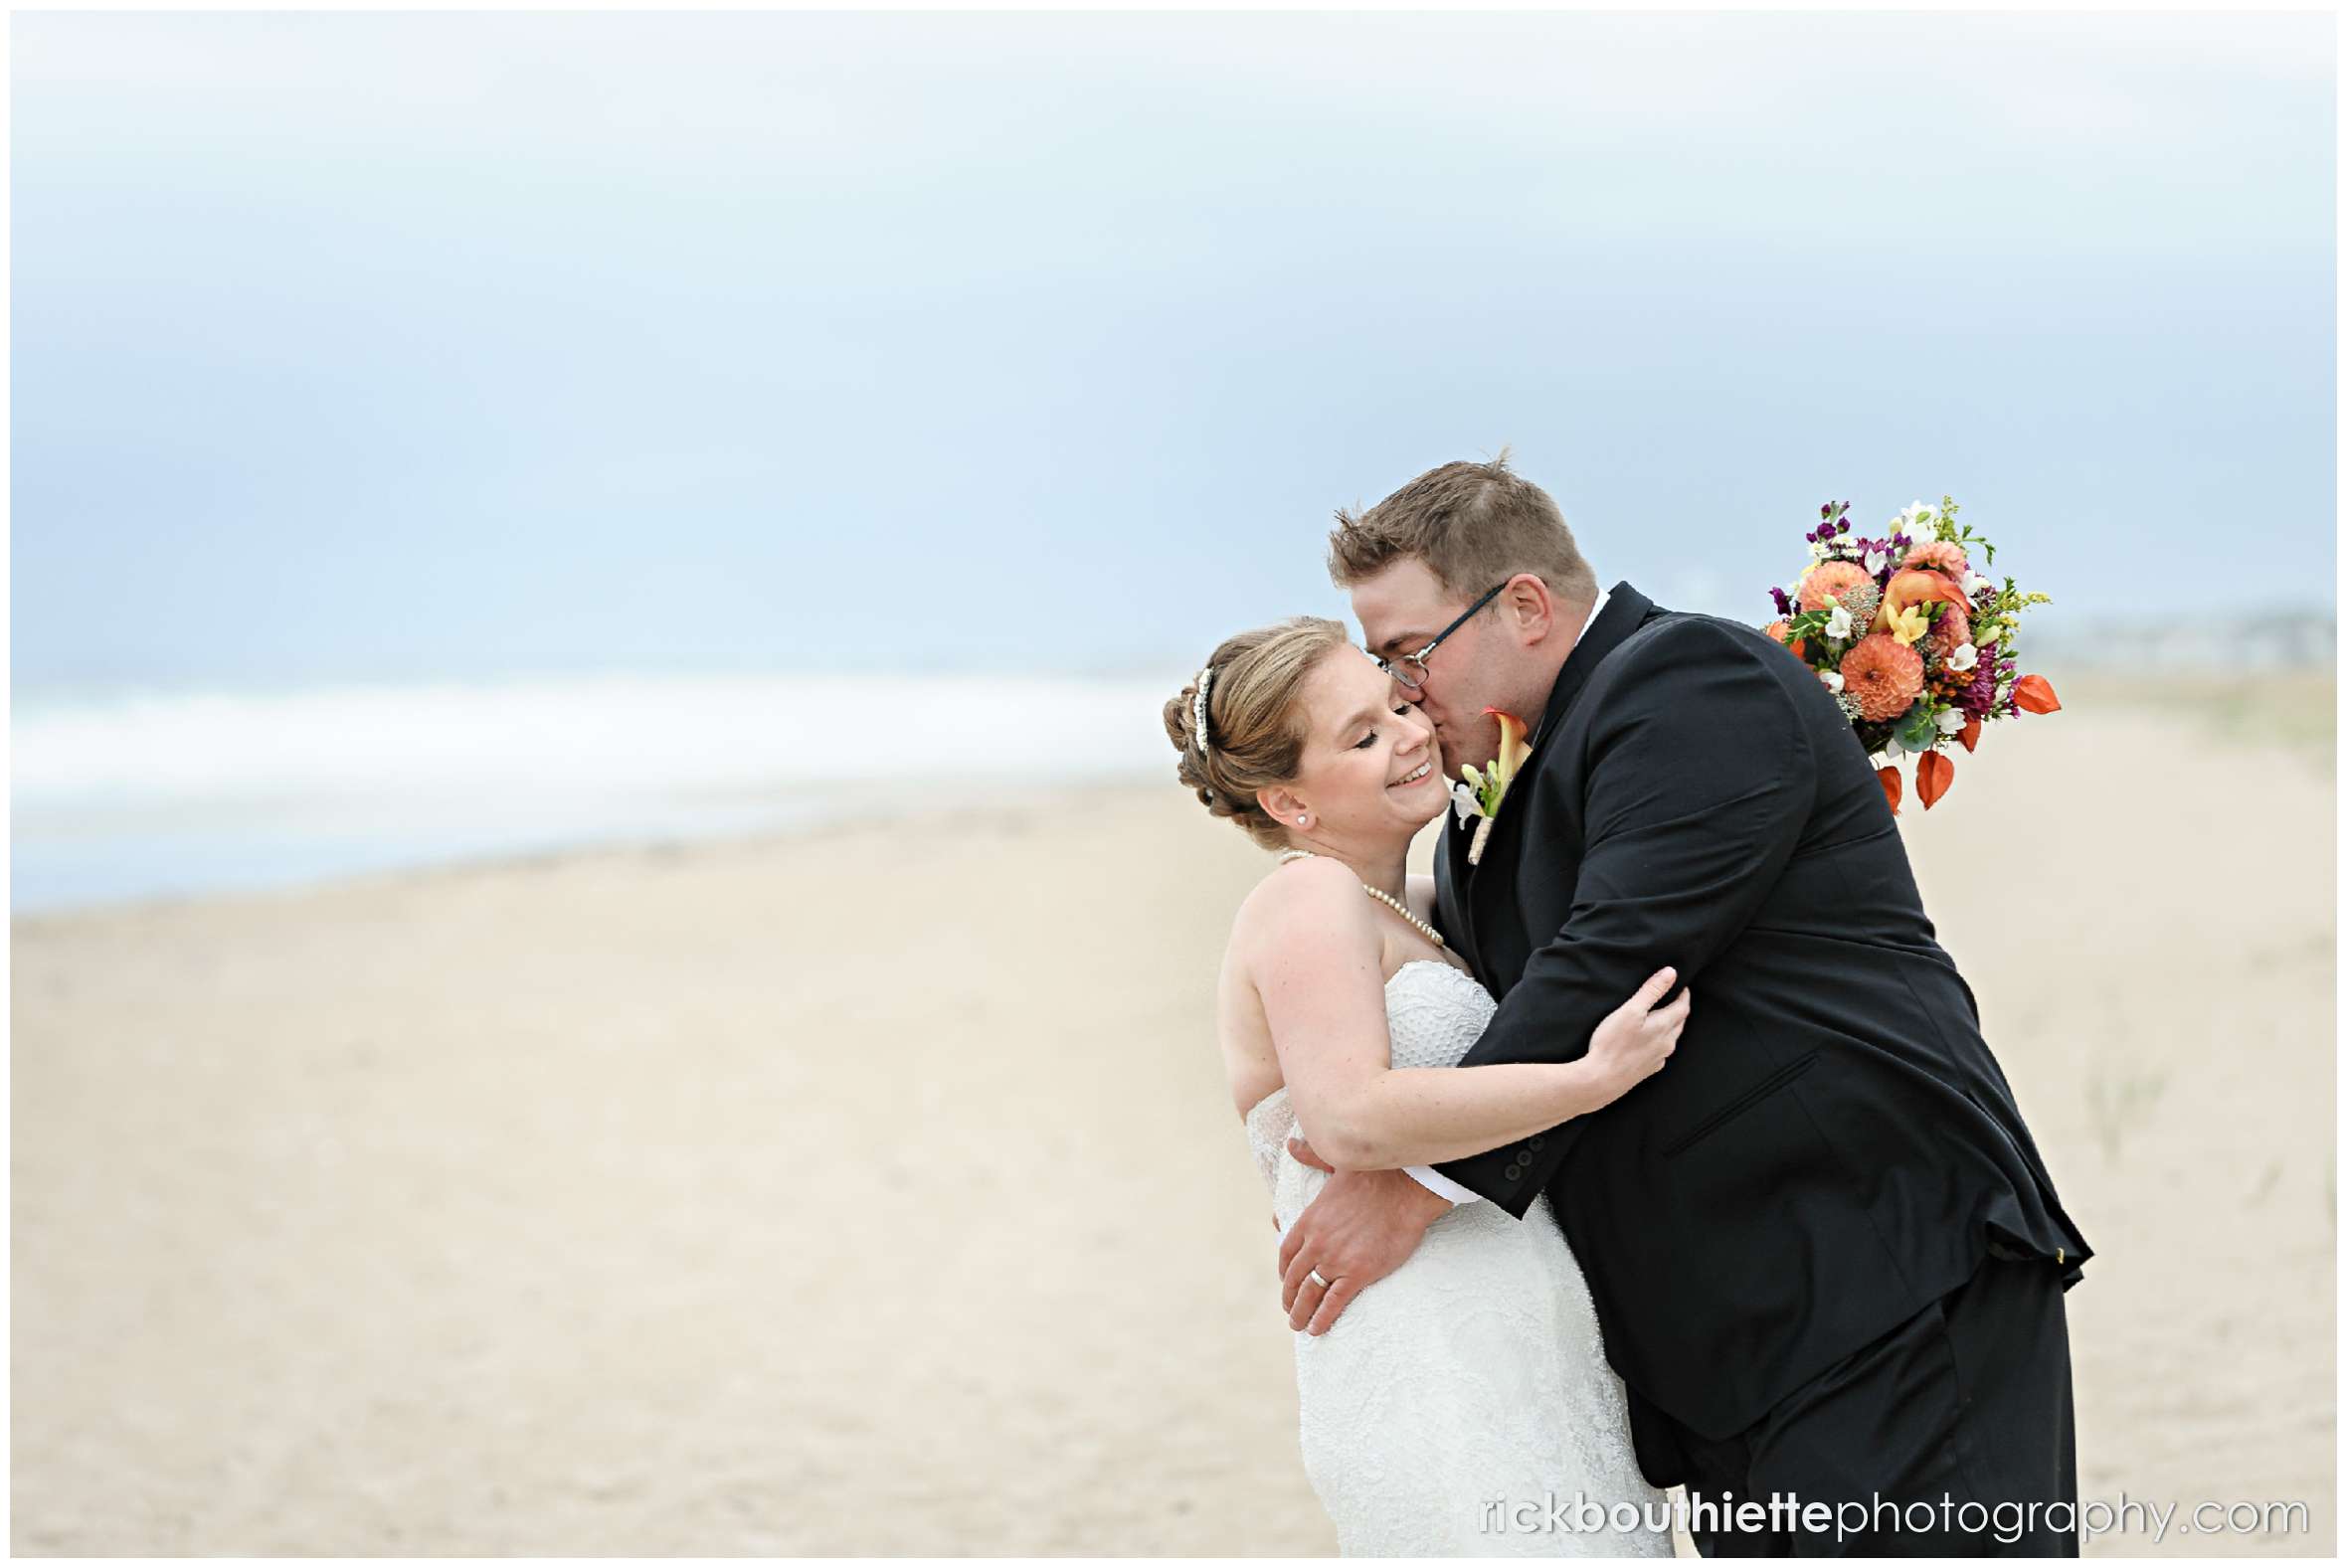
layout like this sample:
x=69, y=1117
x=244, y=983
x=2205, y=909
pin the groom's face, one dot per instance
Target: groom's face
x=1400, y=609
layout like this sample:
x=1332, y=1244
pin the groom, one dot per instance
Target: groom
x=1825, y=1256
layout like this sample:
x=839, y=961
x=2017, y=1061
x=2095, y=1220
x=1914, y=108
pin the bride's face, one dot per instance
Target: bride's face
x=1370, y=770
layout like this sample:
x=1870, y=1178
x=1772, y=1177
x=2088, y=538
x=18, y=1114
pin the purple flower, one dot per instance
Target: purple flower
x=1980, y=698
x=1826, y=510
x=1784, y=605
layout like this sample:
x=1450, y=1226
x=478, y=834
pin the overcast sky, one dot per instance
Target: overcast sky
x=392, y=347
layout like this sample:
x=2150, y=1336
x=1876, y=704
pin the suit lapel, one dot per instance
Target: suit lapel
x=1625, y=611
x=1485, y=886
x=1451, y=906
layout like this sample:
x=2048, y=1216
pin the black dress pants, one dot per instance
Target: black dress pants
x=1935, y=1440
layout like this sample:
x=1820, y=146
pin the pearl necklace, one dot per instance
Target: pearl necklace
x=1381, y=896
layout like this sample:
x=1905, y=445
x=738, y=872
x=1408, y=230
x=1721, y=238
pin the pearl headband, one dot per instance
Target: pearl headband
x=1197, y=708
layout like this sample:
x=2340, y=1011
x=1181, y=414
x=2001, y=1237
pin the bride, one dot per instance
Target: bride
x=1463, y=1405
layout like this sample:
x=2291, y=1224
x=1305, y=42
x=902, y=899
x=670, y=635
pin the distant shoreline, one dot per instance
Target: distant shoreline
x=2291, y=711
x=169, y=797
x=905, y=806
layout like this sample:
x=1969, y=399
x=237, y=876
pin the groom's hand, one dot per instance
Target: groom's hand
x=1363, y=1225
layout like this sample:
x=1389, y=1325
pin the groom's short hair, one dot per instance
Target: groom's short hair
x=1474, y=524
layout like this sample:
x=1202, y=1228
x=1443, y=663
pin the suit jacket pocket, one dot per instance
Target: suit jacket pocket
x=1741, y=1102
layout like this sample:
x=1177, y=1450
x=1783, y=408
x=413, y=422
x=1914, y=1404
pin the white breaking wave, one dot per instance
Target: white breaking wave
x=133, y=795
x=619, y=734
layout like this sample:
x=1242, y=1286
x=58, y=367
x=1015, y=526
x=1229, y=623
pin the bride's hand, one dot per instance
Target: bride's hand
x=1637, y=1038
x=1305, y=1156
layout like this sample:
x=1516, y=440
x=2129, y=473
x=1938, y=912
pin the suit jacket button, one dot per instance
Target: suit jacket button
x=1515, y=1172
x=1535, y=1141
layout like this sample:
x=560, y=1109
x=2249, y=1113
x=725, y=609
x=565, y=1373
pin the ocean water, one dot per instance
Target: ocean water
x=136, y=796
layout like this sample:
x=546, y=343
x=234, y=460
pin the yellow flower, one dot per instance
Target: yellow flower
x=1909, y=624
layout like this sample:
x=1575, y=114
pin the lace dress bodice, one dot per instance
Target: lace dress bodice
x=1460, y=1395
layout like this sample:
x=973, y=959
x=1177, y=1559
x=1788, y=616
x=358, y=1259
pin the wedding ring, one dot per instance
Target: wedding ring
x=1316, y=1280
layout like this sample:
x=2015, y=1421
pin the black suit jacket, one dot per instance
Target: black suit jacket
x=1832, y=1147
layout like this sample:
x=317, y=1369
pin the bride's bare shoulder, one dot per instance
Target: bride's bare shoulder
x=1303, y=902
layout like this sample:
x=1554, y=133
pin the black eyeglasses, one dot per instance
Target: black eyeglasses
x=1410, y=668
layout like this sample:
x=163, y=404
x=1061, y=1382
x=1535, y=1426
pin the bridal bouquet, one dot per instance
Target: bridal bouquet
x=1916, y=645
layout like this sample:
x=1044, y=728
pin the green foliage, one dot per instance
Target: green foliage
x=1921, y=730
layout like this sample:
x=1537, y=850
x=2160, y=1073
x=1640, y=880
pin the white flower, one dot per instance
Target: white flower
x=1838, y=624
x=1833, y=681
x=1974, y=583
x=1893, y=750
x=1963, y=658
x=1818, y=550
x=1919, y=523
x=1877, y=560
x=1952, y=719
x=1464, y=802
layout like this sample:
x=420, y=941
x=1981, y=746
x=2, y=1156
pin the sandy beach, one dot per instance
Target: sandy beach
x=876, y=1191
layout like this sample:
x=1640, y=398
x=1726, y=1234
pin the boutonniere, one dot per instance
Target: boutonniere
x=1480, y=790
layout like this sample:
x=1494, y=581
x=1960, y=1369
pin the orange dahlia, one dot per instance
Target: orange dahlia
x=1882, y=676
x=1779, y=631
x=1830, y=577
x=1939, y=556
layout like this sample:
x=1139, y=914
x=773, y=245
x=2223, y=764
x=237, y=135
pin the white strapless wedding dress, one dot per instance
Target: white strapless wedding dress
x=1460, y=1396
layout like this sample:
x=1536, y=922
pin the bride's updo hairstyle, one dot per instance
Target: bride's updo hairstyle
x=1255, y=723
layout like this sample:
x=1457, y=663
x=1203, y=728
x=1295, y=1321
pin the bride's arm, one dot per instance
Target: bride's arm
x=1315, y=953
